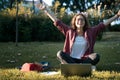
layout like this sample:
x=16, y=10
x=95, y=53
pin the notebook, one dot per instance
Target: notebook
x=76, y=69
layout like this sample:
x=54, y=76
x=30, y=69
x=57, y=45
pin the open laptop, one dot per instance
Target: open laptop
x=76, y=69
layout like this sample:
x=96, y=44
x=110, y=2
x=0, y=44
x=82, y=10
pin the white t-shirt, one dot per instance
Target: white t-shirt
x=79, y=47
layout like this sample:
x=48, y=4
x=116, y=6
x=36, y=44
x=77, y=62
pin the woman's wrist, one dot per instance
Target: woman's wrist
x=117, y=15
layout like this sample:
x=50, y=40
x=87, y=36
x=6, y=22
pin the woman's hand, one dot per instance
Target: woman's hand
x=41, y=6
x=112, y=19
x=118, y=14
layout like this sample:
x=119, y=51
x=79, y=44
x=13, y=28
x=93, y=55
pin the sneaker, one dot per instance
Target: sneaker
x=59, y=57
x=62, y=61
x=93, y=68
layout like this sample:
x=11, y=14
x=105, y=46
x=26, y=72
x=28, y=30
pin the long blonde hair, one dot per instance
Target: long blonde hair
x=86, y=26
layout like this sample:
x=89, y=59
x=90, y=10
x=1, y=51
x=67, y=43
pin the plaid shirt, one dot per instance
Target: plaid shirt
x=90, y=35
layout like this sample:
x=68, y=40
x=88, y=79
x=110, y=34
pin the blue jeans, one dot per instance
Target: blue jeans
x=68, y=59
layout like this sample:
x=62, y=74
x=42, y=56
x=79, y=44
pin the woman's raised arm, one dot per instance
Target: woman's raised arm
x=106, y=23
x=43, y=6
x=51, y=15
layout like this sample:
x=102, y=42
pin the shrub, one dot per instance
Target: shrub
x=114, y=28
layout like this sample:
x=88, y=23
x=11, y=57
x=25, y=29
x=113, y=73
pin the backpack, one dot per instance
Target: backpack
x=31, y=67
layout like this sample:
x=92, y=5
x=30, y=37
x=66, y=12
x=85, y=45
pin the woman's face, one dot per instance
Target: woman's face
x=80, y=21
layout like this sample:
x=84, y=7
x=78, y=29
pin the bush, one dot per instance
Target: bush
x=31, y=28
x=114, y=28
x=6, y=28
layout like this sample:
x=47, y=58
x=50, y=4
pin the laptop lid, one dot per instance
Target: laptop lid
x=76, y=69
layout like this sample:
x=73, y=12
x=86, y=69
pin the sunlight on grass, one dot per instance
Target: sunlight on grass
x=13, y=57
x=15, y=74
x=106, y=74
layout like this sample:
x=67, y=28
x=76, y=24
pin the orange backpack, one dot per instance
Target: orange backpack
x=31, y=67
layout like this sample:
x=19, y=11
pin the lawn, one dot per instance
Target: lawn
x=13, y=57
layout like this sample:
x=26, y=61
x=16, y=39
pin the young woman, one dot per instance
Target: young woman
x=79, y=39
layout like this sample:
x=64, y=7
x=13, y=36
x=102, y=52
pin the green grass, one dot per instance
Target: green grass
x=12, y=57
x=14, y=74
x=28, y=52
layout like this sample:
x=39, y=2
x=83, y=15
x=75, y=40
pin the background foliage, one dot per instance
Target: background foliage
x=38, y=27
x=83, y=5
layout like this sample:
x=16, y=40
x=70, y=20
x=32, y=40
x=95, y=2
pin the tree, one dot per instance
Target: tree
x=75, y=5
x=57, y=3
x=83, y=5
x=33, y=3
x=8, y=3
x=16, y=23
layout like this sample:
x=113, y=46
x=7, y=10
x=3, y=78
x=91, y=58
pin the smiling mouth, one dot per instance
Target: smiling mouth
x=80, y=24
